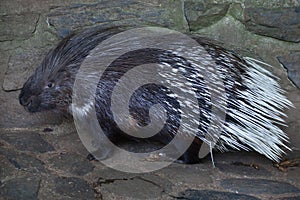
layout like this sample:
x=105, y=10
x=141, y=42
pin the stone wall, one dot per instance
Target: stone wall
x=267, y=30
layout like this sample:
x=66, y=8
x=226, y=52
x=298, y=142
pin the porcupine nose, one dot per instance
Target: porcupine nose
x=24, y=101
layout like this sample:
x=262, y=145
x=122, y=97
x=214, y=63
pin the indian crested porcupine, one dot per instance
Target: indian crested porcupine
x=254, y=99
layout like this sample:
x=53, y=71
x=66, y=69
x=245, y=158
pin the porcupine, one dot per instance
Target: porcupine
x=252, y=114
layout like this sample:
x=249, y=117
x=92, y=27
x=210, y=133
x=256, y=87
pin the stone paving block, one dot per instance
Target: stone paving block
x=115, y=184
x=129, y=12
x=242, y=157
x=72, y=163
x=6, y=168
x=25, y=188
x=106, y=173
x=200, y=15
x=21, y=65
x=73, y=188
x=18, y=26
x=159, y=181
x=258, y=186
x=213, y=195
x=292, y=62
x=3, y=62
x=294, y=174
x=132, y=188
x=290, y=198
x=25, y=162
x=65, y=138
x=243, y=169
x=19, y=6
x=17, y=117
x=189, y=174
x=27, y=141
x=293, y=127
x=280, y=23
x=54, y=187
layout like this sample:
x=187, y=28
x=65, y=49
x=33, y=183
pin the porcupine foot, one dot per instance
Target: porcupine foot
x=191, y=155
x=90, y=157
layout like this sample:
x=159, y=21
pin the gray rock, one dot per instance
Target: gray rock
x=290, y=198
x=6, y=168
x=213, y=195
x=24, y=162
x=129, y=12
x=293, y=173
x=280, y=23
x=112, y=183
x=28, y=141
x=241, y=169
x=200, y=15
x=135, y=188
x=258, y=186
x=189, y=174
x=70, y=187
x=18, y=26
x=72, y=163
x=293, y=132
x=3, y=63
x=73, y=188
x=110, y=174
x=9, y=7
x=292, y=63
x=159, y=181
x=67, y=138
x=25, y=188
x=21, y=65
x=242, y=157
x=18, y=117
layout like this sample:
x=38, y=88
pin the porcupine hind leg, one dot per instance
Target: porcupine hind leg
x=191, y=155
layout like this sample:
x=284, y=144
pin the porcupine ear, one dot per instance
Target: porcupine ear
x=259, y=113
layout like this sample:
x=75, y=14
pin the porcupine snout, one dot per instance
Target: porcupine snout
x=30, y=103
x=25, y=101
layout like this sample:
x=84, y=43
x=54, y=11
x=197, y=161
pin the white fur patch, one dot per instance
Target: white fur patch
x=82, y=110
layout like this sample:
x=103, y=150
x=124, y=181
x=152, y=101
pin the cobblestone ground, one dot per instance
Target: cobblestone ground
x=44, y=164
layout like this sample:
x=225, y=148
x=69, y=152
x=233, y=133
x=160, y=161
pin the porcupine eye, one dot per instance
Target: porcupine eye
x=50, y=85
